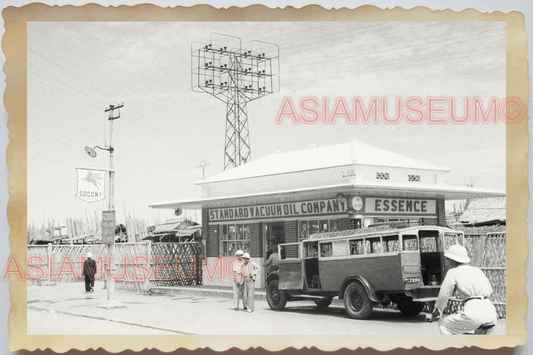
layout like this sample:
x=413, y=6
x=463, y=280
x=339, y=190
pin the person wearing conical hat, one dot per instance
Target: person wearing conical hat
x=474, y=289
x=89, y=271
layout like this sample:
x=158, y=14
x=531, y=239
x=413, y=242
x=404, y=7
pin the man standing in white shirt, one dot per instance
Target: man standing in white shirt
x=473, y=287
x=238, y=281
x=250, y=270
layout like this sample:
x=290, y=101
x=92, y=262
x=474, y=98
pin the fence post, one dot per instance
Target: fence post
x=149, y=256
x=50, y=265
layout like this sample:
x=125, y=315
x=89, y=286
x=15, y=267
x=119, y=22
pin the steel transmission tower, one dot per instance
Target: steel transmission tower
x=236, y=77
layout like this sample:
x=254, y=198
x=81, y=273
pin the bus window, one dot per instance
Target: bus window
x=410, y=242
x=375, y=245
x=325, y=250
x=356, y=247
x=428, y=241
x=311, y=250
x=289, y=251
x=428, y=244
x=391, y=243
x=368, y=246
x=340, y=248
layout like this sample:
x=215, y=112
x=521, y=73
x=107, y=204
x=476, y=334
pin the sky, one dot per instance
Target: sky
x=76, y=69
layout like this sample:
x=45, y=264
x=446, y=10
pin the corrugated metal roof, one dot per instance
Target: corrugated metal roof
x=174, y=224
x=321, y=158
x=188, y=231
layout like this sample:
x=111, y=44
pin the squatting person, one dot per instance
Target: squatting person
x=238, y=281
x=250, y=270
x=89, y=271
x=473, y=287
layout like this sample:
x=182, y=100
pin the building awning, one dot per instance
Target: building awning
x=374, y=188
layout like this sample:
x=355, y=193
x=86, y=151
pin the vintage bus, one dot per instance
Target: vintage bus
x=364, y=267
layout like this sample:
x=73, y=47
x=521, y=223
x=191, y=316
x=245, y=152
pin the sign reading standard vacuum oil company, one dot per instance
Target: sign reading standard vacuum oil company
x=296, y=209
x=404, y=206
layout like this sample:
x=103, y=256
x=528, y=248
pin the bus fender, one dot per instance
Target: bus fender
x=369, y=290
x=272, y=276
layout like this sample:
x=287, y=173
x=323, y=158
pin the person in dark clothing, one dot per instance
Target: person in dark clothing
x=89, y=271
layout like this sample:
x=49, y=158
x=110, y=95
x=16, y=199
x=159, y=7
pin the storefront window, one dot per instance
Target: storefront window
x=234, y=237
x=306, y=228
x=324, y=226
x=313, y=227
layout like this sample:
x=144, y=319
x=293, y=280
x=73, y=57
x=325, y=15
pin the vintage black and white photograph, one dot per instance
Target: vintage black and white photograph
x=267, y=178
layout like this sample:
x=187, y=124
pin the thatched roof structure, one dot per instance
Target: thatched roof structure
x=485, y=211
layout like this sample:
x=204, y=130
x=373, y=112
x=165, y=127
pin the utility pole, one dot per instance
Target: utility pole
x=202, y=165
x=111, y=302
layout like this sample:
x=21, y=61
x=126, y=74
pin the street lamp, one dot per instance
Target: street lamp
x=108, y=217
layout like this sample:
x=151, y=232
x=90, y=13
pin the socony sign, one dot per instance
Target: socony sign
x=91, y=184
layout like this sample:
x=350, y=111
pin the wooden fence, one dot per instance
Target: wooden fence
x=168, y=264
x=66, y=263
x=177, y=264
x=488, y=252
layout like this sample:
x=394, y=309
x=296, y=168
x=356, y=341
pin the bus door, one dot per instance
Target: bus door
x=312, y=278
x=290, y=266
x=410, y=256
x=273, y=234
x=431, y=257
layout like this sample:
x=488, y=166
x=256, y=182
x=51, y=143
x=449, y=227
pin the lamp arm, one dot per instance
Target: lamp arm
x=110, y=149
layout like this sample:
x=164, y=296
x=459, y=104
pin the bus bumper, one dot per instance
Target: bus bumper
x=423, y=293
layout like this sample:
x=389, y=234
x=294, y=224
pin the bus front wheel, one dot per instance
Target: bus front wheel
x=276, y=298
x=356, y=301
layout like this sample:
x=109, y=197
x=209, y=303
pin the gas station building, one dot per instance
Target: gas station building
x=286, y=197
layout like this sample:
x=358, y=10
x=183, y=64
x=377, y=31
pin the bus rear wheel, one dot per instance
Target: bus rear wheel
x=356, y=301
x=408, y=307
x=276, y=298
x=323, y=303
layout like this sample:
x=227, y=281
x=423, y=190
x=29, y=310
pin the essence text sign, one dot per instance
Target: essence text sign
x=400, y=206
x=296, y=209
x=108, y=227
